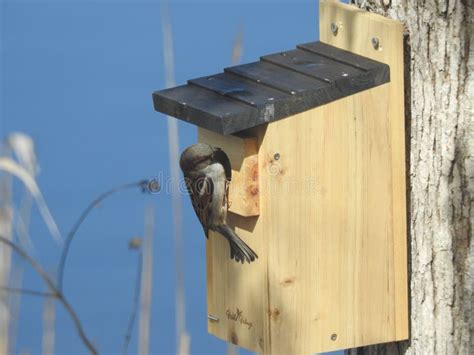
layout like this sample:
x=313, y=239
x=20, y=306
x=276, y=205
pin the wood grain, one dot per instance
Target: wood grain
x=233, y=287
x=244, y=188
x=331, y=234
x=390, y=34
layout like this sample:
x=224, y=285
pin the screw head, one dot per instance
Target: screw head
x=333, y=337
x=212, y=318
x=376, y=42
x=334, y=28
x=276, y=156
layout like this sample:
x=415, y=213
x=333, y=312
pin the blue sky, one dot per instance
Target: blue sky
x=78, y=76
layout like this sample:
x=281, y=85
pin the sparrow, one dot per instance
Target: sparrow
x=207, y=173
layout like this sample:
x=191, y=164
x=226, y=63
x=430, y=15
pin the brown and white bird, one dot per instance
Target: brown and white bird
x=207, y=173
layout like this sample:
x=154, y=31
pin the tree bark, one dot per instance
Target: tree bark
x=440, y=126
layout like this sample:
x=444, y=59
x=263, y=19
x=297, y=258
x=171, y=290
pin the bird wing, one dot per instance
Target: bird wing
x=221, y=157
x=201, y=190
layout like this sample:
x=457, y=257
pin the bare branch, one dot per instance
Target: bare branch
x=26, y=291
x=146, y=185
x=42, y=273
x=133, y=313
x=237, y=48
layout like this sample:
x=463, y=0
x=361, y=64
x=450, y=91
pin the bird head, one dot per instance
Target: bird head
x=196, y=157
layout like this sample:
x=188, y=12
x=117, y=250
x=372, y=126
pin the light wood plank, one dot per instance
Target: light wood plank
x=331, y=234
x=358, y=29
x=244, y=190
x=233, y=287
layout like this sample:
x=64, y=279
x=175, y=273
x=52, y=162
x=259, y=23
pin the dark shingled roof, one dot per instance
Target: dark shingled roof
x=277, y=86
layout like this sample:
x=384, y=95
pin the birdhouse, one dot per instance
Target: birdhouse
x=315, y=136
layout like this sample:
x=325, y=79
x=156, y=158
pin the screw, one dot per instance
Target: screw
x=376, y=43
x=334, y=337
x=276, y=156
x=212, y=318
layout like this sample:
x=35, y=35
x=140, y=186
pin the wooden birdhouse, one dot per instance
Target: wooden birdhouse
x=315, y=136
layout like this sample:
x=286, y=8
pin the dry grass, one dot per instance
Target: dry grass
x=146, y=282
x=183, y=339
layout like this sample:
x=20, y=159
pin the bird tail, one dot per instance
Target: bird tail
x=239, y=251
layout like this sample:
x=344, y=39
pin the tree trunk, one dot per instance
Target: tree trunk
x=440, y=124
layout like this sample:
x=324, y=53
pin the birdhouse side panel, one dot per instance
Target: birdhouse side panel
x=235, y=291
